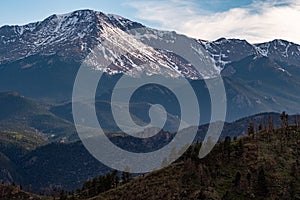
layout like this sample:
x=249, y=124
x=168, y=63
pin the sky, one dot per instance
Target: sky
x=254, y=20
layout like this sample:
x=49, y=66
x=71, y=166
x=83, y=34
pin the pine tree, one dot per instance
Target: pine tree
x=251, y=129
x=260, y=127
x=297, y=121
x=240, y=149
x=126, y=176
x=237, y=179
x=284, y=120
x=249, y=178
x=262, y=188
x=63, y=195
x=270, y=128
x=227, y=147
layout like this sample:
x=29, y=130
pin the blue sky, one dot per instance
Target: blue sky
x=22, y=12
x=254, y=20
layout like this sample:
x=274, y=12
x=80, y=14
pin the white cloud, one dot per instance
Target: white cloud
x=258, y=22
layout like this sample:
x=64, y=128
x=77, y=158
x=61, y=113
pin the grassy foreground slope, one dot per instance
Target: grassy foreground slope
x=264, y=165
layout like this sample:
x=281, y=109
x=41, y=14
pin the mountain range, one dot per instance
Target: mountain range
x=38, y=66
x=40, y=60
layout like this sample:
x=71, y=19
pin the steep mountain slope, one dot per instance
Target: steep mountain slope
x=76, y=34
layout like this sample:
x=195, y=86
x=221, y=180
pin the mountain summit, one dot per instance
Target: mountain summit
x=73, y=36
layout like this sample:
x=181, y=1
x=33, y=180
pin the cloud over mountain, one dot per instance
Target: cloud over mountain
x=257, y=22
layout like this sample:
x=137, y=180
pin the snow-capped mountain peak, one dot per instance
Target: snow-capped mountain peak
x=74, y=35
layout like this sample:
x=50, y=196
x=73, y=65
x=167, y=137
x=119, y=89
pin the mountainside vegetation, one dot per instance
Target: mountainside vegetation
x=262, y=165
